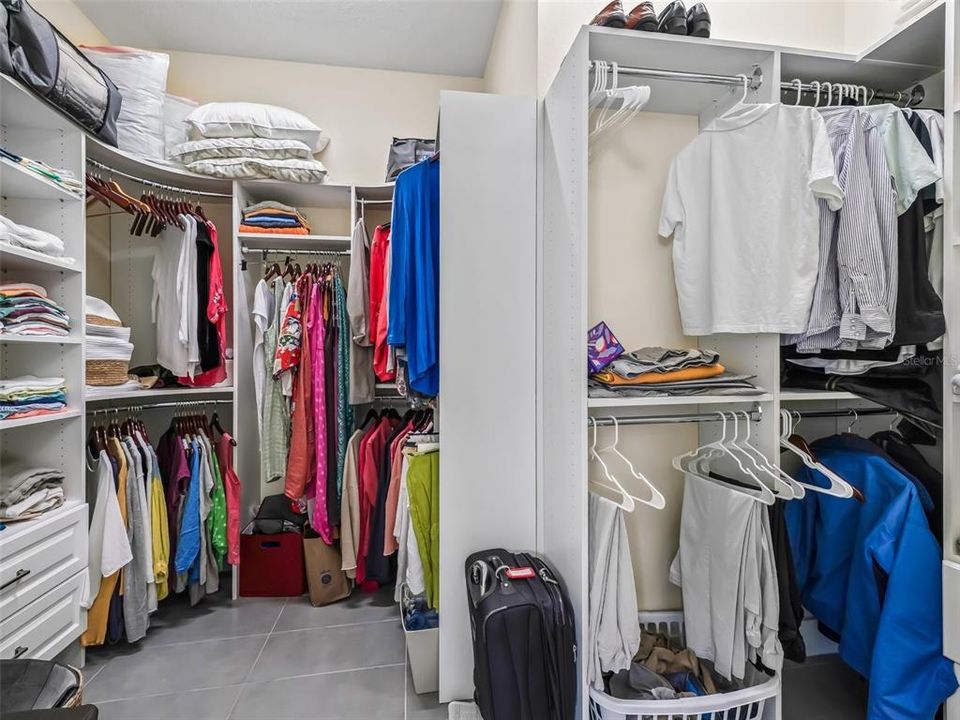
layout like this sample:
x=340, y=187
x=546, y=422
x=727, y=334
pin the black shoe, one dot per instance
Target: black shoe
x=698, y=21
x=673, y=19
x=611, y=16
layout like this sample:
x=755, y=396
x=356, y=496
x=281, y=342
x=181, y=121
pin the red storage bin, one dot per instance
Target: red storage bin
x=272, y=565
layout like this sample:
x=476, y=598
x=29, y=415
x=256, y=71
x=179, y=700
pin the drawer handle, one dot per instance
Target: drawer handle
x=21, y=574
x=19, y=651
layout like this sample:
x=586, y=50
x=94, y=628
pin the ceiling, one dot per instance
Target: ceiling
x=443, y=37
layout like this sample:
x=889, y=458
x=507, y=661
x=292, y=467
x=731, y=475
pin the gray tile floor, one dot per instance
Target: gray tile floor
x=823, y=688
x=252, y=659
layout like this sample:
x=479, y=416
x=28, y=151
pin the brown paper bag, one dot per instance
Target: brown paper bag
x=327, y=583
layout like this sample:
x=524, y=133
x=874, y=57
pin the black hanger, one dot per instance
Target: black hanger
x=215, y=424
x=372, y=415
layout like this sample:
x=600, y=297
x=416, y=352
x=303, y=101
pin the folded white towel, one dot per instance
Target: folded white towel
x=30, y=238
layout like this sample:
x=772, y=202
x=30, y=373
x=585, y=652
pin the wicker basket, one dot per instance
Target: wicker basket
x=98, y=320
x=107, y=372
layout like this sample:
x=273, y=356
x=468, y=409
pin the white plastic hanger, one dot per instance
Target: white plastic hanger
x=829, y=87
x=799, y=84
x=816, y=85
x=696, y=463
x=656, y=498
x=627, y=501
x=785, y=487
x=838, y=486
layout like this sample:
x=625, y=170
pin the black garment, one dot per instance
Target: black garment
x=115, y=625
x=910, y=459
x=913, y=388
x=791, y=605
x=919, y=309
x=207, y=337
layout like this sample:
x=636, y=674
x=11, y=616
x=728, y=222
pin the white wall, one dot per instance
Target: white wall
x=360, y=109
x=866, y=21
x=512, y=63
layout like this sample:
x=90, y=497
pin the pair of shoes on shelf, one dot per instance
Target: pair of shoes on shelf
x=674, y=19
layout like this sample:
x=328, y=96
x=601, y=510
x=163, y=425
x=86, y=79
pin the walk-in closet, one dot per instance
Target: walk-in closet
x=488, y=360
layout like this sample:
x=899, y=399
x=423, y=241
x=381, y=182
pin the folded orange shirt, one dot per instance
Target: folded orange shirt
x=274, y=231
x=652, y=378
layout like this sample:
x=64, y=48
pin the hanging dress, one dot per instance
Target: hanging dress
x=276, y=419
x=300, y=458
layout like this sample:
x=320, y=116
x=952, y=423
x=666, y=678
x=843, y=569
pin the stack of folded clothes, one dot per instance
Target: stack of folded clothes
x=25, y=309
x=62, y=177
x=659, y=372
x=27, y=396
x=28, y=492
x=274, y=217
x=32, y=239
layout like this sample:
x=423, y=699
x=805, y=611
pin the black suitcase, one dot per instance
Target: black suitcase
x=524, y=638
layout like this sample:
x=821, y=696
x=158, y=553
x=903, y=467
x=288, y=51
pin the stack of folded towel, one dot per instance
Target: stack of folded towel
x=107, y=344
x=657, y=372
x=32, y=239
x=27, y=492
x=25, y=309
x=27, y=396
x=274, y=217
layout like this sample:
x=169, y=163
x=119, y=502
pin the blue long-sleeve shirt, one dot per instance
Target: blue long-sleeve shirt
x=871, y=573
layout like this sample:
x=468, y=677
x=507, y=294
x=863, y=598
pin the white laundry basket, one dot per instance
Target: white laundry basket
x=745, y=704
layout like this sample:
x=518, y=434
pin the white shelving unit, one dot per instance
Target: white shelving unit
x=43, y=560
x=577, y=269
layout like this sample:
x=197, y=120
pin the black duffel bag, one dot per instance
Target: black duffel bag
x=38, y=55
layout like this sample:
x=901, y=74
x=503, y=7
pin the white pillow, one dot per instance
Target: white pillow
x=141, y=78
x=243, y=119
x=301, y=171
x=175, y=111
x=264, y=148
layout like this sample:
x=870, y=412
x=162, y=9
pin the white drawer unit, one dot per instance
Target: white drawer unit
x=40, y=555
x=47, y=625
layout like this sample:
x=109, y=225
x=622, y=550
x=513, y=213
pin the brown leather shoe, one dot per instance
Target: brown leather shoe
x=642, y=17
x=611, y=16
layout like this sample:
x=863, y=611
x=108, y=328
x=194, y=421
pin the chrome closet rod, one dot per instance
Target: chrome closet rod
x=914, y=96
x=851, y=413
x=153, y=406
x=244, y=249
x=151, y=183
x=374, y=202
x=755, y=79
x=756, y=414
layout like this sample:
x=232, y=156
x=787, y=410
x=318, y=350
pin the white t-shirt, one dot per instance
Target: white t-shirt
x=169, y=301
x=109, y=546
x=263, y=311
x=741, y=201
x=187, y=282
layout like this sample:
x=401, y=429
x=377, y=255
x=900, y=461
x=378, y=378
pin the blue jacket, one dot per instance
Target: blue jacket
x=871, y=572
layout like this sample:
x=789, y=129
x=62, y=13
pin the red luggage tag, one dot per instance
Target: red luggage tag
x=521, y=573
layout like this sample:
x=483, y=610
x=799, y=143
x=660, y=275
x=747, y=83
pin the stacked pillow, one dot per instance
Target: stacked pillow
x=243, y=141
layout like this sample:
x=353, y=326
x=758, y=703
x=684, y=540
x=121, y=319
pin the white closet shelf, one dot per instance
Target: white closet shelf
x=18, y=258
x=258, y=241
x=6, y=338
x=166, y=394
x=625, y=403
x=375, y=192
x=21, y=108
x=18, y=182
x=17, y=527
x=65, y=414
x=787, y=396
x=300, y=195
x=155, y=170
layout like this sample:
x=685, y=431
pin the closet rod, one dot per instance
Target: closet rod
x=845, y=413
x=362, y=201
x=914, y=96
x=154, y=406
x=756, y=414
x=244, y=249
x=151, y=183
x=755, y=78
